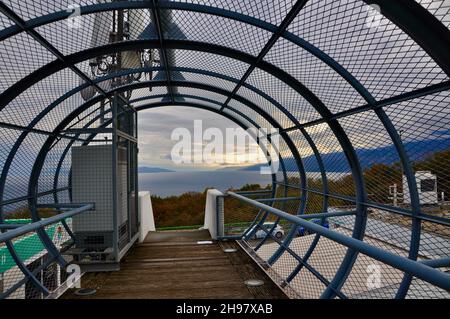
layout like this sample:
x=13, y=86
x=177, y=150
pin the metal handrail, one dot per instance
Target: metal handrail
x=22, y=229
x=26, y=228
x=412, y=267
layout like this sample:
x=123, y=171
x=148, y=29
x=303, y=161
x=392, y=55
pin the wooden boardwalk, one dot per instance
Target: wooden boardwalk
x=174, y=265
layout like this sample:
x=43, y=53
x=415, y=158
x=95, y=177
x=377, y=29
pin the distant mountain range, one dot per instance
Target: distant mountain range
x=337, y=162
x=146, y=169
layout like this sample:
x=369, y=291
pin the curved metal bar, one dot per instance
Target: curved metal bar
x=32, y=202
x=246, y=102
x=303, y=197
x=316, y=239
x=302, y=88
x=27, y=273
x=260, y=218
x=411, y=180
x=265, y=115
x=423, y=27
x=285, y=193
x=52, y=67
x=414, y=197
x=186, y=104
x=57, y=16
x=257, y=91
x=160, y=96
x=32, y=124
x=101, y=114
x=274, y=176
x=49, y=108
x=325, y=200
x=55, y=66
x=405, y=14
x=431, y=46
x=208, y=73
x=417, y=36
x=33, y=186
x=350, y=154
x=293, y=232
x=124, y=72
x=24, y=269
x=37, y=167
x=264, y=95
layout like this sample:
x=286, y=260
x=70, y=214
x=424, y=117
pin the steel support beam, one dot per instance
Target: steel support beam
x=49, y=47
x=33, y=130
x=156, y=17
x=437, y=263
x=327, y=214
x=24, y=198
x=225, y=51
x=299, y=4
x=277, y=199
x=423, y=27
x=302, y=262
x=89, y=9
x=429, y=90
x=401, y=18
x=391, y=209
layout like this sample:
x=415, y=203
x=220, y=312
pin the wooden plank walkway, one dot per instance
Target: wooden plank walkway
x=174, y=265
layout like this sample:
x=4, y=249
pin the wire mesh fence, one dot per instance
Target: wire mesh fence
x=309, y=262
x=361, y=107
x=36, y=260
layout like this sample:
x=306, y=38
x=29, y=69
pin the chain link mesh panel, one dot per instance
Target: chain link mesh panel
x=345, y=57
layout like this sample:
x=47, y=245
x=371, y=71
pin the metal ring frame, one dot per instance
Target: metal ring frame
x=399, y=12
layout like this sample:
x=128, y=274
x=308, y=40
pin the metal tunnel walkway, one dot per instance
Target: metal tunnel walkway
x=354, y=95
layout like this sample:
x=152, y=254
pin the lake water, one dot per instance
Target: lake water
x=176, y=183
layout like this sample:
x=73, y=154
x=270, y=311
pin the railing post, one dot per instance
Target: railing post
x=212, y=213
x=220, y=216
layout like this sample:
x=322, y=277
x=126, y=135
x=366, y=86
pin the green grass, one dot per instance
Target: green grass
x=179, y=227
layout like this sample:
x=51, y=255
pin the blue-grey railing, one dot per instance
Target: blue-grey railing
x=15, y=231
x=283, y=47
x=425, y=270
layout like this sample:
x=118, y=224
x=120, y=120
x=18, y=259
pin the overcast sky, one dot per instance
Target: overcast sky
x=371, y=53
x=157, y=125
